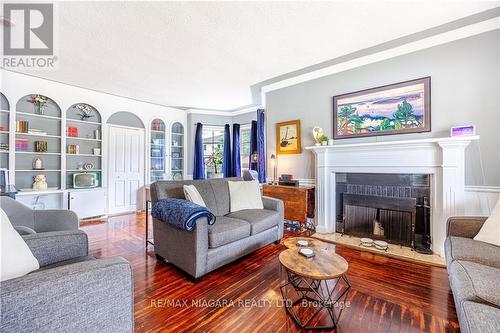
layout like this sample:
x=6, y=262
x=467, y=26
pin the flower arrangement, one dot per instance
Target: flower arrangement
x=39, y=102
x=85, y=111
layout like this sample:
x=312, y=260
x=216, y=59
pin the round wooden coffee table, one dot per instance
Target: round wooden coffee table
x=319, y=283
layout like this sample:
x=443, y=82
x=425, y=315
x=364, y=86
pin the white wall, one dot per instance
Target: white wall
x=15, y=86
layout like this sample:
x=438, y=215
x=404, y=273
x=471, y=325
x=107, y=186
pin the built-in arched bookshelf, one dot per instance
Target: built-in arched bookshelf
x=4, y=131
x=157, y=151
x=177, y=151
x=83, y=142
x=37, y=136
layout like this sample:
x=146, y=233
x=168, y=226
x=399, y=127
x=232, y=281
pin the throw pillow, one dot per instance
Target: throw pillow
x=490, y=231
x=191, y=193
x=244, y=195
x=16, y=257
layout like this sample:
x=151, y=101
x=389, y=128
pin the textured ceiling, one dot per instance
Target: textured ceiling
x=207, y=54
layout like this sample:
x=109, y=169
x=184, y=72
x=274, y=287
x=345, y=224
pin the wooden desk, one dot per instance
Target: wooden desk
x=298, y=200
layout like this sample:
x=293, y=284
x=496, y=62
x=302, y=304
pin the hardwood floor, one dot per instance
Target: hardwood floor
x=387, y=295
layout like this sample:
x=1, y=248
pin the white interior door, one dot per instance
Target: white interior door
x=126, y=168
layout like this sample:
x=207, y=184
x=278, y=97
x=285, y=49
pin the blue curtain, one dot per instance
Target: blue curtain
x=253, y=145
x=199, y=165
x=236, y=165
x=226, y=158
x=261, y=145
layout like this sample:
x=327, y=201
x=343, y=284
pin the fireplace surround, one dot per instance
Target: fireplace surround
x=384, y=206
x=441, y=158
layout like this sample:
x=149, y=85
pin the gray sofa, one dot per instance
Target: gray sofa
x=474, y=273
x=209, y=247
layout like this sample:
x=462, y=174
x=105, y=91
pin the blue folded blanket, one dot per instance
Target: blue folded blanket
x=181, y=214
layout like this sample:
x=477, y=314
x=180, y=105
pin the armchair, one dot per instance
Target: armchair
x=27, y=221
x=71, y=291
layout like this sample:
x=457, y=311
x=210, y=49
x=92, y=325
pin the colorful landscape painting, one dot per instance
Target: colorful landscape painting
x=395, y=109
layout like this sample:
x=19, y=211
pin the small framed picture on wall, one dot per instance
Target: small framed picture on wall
x=288, y=137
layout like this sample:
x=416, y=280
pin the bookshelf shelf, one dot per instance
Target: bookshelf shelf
x=38, y=135
x=5, y=133
x=40, y=171
x=82, y=155
x=48, y=124
x=36, y=153
x=158, y=159
x=87, y=122
x=81, y=139
x=177, y=147
x=34, y=115
x=87, y=136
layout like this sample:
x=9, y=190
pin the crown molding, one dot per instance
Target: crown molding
x=228, y=113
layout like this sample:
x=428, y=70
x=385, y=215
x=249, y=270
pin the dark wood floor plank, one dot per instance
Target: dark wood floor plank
x=387, y=295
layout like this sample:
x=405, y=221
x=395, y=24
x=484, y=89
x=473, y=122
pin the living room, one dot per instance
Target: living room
x=250, y=166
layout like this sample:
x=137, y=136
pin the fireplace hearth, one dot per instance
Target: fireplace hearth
x=390, y=207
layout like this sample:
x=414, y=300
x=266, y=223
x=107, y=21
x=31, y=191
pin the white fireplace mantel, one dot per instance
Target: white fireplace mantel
x=442, y=158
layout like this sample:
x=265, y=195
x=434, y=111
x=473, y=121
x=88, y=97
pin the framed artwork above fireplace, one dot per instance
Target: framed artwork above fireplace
x=399, y=108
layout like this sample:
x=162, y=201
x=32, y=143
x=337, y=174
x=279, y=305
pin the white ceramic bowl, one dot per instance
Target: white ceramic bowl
x=302, y=243
x=381, y=245
x=307, y=252
x=366, y=241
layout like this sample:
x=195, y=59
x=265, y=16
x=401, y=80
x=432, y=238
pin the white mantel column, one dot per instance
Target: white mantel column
x=325, y=194
x=449, y=191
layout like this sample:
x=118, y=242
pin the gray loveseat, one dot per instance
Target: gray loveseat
x=71, y=292
x=29, y=221
x=209, y=247
x=474, y=273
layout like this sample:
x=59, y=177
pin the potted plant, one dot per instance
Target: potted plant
x=323, y=139
x=213, y=162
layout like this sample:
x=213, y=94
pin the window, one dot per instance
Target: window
x=213, y=150
x=245, y=146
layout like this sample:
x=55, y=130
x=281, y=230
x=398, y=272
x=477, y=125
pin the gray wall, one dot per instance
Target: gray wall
x=465, y=88
x=210, y=120
x=124, y=118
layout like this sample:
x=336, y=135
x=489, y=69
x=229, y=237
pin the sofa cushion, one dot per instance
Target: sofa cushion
x=245, y=195
x=474, y=282
x=260, y=219
x=192, y=194
x=460, y=248
x=16, y=257
x=227, y=230
x=221, y=190
x=490, y=231
x=479, y=317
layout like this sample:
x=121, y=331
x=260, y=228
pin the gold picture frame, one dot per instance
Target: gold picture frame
x=288, y=140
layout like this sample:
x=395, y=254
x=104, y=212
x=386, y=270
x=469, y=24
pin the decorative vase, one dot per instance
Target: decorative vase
x=40, y=183
x=39, y=108
x=330, y=142
x=324, y=143
x=317, y=144
x=37, y=164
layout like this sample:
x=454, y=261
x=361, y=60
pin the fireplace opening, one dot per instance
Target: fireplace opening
x=390, y=207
